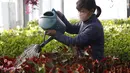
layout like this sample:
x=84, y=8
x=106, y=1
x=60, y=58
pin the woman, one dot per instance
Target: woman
x=89, y=30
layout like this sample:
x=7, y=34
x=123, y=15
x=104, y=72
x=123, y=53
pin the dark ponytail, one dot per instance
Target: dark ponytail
x=89, y=5
x=98, y=11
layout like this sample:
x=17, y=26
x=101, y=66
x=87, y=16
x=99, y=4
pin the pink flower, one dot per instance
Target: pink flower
x=1, y=67
x=5, y=60
x=96, y=61
x=9, y=63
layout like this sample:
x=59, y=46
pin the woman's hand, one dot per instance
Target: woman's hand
x=51, y=32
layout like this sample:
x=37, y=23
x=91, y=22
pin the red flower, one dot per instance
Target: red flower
x=104, y=59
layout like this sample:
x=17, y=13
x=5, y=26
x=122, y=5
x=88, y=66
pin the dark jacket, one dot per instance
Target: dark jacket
x=89, y=32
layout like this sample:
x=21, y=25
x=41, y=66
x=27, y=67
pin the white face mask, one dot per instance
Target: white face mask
x=84, y=14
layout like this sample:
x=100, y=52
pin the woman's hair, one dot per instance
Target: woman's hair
x=89, y=5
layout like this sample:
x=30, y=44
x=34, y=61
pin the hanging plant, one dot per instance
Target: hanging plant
x=32, y=3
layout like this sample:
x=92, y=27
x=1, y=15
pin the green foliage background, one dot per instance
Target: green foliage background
x=117, y=39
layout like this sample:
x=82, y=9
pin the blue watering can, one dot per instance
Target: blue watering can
x=50, y=20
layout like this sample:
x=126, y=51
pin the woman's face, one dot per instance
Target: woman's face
x=84, y=14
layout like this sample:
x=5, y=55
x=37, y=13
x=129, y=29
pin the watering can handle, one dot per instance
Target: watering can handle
x=54, y=10
x=58, y=13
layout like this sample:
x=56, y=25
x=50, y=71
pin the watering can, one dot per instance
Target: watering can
x=50, y=20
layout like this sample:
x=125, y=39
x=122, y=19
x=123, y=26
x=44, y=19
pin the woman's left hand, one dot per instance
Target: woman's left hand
x=51, y=32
